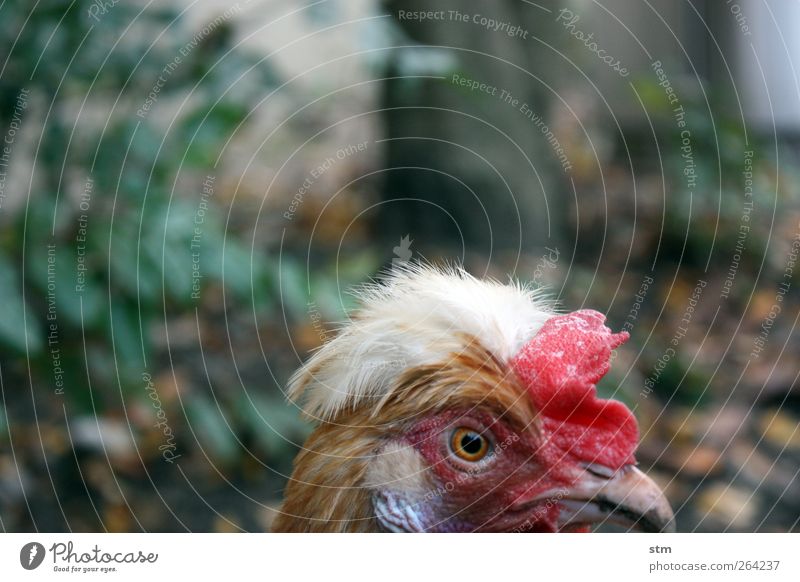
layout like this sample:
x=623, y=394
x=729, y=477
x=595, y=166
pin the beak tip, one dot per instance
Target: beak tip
x=633, y=499
x=659, y=520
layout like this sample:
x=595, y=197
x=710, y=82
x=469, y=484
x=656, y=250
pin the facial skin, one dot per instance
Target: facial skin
x=524, y=481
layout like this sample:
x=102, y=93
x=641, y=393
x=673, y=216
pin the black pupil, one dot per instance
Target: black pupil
x=472, y=443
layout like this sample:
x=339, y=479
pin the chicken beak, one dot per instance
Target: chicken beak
x=628, y=498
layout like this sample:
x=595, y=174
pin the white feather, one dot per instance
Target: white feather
x=418, y=316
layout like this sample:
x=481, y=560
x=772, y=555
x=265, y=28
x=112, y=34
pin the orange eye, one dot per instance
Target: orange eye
x=469, y=444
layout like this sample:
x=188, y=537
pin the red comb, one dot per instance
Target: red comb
x=560, y=367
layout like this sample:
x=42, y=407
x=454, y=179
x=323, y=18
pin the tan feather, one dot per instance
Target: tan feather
x=327, y=491
x=450, y=336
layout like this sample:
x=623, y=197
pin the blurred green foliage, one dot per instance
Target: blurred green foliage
x=87, y=79
x=706, y=216
x=129, y=110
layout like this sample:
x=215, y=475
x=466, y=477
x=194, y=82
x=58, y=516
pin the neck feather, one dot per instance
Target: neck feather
x=326, y=492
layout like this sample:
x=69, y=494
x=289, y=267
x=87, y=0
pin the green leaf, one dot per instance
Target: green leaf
x=64, y=280
x=131, y=276
x=211, y=429
x=129, y=345
x=330, y=298
x=19, y=325
x=3, y=424
x=293, y=290
x=276, y=426
x=207, y=129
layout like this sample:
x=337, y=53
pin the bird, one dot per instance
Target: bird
x=451, y=403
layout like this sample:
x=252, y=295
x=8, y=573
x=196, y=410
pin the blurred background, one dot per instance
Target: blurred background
x=189, y=189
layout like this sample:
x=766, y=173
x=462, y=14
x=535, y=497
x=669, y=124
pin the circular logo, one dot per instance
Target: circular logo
x=31, y=555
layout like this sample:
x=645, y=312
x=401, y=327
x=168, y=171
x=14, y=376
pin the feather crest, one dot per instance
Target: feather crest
x=418, y=316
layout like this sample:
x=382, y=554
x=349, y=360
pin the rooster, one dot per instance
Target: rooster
x=452, y=404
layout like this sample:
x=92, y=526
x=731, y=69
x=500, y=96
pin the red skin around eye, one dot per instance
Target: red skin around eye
x=427, y=437
x=484, y=497
x=560, y=367
x=517, y=488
